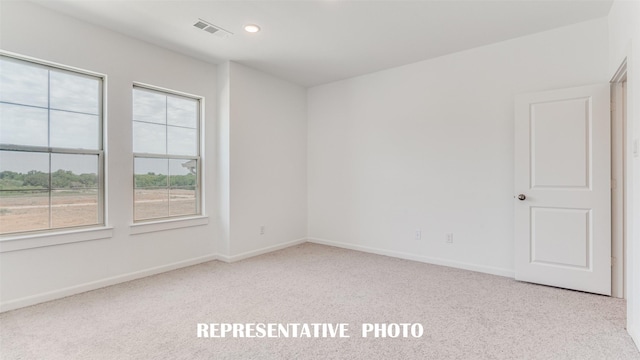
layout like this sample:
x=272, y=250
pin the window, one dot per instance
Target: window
x=51, y=151
x=166, y=147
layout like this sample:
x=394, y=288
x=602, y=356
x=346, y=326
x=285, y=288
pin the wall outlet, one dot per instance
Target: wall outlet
x=449, y=238
x=261, y=229
x=636, y=148
x=418, y=235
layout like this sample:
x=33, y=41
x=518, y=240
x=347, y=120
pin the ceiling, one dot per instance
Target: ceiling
x=316, y=42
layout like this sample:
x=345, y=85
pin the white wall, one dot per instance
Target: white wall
x=624, y=42
x=430, y=146
x=268, y=160
x=29, y=276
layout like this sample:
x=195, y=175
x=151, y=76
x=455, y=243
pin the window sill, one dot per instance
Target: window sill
x=31, y=241
x=169, y=224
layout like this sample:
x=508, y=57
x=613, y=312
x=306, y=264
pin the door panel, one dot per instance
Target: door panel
x=562, y=167
x=560, y=143
x=560, y=237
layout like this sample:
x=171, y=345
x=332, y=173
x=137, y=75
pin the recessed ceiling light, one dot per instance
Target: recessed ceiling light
x=252, y=28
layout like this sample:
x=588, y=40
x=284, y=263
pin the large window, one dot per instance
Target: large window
x=51, y=151
x=166, y=133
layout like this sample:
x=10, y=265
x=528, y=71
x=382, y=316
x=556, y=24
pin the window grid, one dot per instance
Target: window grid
x=52, y=151
x=195, y=170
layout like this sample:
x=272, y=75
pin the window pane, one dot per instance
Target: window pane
x=23, y=125
x=149, y=138
x=24, y=210
x=74, y=131
x=74, y=92
x=182, y=201
x=149, y=106
x=151, y=203
x=151, y=193
x=74, y=207
x=183, y=172
x=182, y=112
x=23, y=83
x=74, y=202
x=150, y=172
x=24, y=170
x=182, y=194
x=182, y=141
x=71, y=171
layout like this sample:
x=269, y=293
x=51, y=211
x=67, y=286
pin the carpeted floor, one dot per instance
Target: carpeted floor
x=466, y=315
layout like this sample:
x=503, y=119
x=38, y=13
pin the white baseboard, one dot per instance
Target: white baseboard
x=268, y=249
x=93, y=285
x=77, y=289
x=425, y=259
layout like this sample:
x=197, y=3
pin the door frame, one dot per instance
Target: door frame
x=619, y=126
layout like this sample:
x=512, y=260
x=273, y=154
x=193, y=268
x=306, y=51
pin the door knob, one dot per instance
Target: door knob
x=521, y=197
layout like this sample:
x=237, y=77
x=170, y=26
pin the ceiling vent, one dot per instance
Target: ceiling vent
x=212, y=29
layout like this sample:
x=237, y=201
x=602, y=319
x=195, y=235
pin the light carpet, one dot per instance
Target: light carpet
x=466, y=315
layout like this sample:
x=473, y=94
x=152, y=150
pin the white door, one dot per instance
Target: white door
x=562, y=188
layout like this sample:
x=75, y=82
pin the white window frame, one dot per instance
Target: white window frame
x=176, y=221
x=53, y=236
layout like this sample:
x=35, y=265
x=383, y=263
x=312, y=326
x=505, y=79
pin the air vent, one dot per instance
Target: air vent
x=200, y=25
x=212, y=29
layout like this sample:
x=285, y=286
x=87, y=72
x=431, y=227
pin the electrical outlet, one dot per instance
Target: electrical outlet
x=261, y=229
x=636, y=148
x=418, y=234
x=449, y=238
